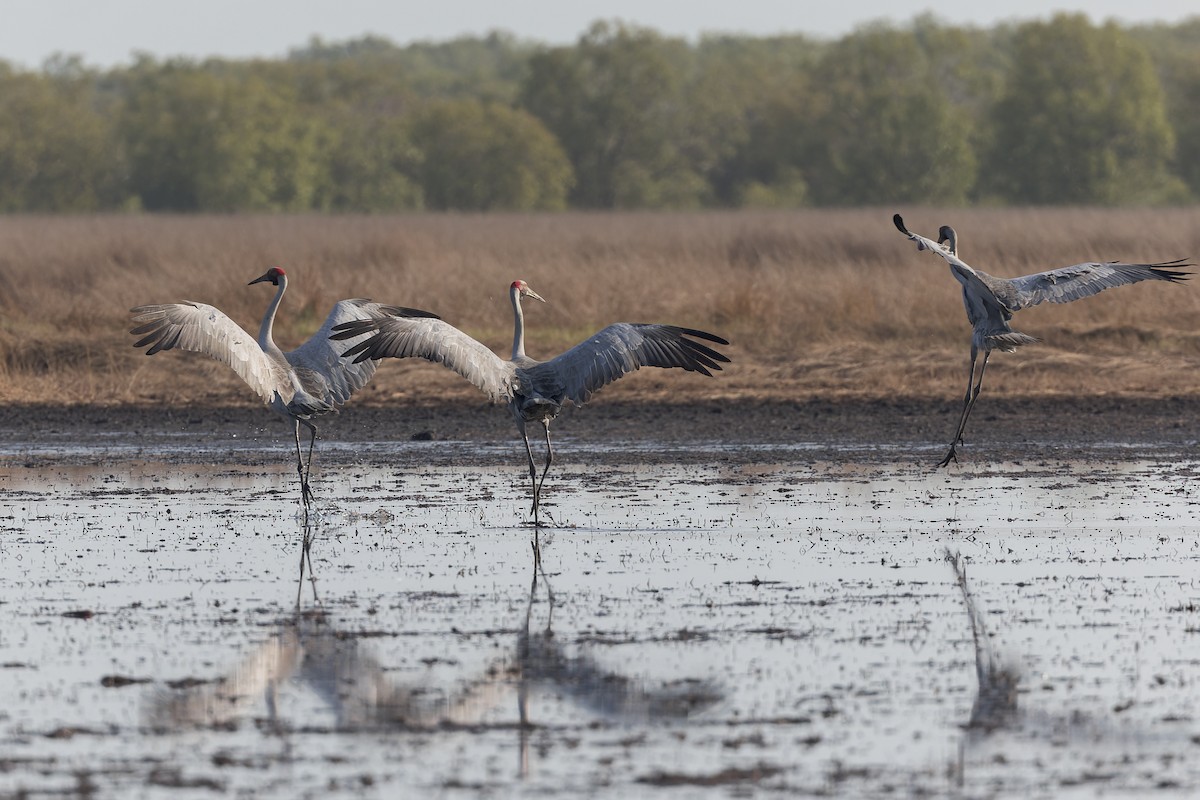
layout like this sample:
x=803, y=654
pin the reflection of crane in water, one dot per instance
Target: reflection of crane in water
x=298, y=385
x=310, y=649
x=991, y=302
x=543, y=663
x=534, y=391
x=996, y=700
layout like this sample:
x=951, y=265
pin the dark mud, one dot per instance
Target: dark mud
x=1001, y=430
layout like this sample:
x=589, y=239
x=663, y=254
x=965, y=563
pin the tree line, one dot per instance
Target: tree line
x=1061, y=111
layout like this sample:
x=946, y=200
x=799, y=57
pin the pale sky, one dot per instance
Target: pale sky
x=108, y=32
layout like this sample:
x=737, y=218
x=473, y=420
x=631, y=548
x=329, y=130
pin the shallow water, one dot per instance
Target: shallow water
x=724, y=628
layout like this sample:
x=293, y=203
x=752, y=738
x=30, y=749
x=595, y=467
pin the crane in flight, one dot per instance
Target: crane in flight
x=534, y=391
x=991, y=301
x=297, y=385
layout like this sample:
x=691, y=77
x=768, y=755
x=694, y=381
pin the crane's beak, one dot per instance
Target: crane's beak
x=531, y=293
x=266, y=276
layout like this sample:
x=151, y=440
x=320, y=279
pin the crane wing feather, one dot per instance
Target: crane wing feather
x=1084, y=280
x=201, y=328
x=619, y=349
x=433, y=340
x=319, y=363
x=924, y=243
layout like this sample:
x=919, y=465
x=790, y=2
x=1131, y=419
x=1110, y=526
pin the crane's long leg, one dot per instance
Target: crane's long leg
x=962, y=427
x=305, y=493
x=537, y=548
x=537, y=495
x=301, y=465
x=968, y=403
x=952, y=454
x=312, y=440
x=532, y=473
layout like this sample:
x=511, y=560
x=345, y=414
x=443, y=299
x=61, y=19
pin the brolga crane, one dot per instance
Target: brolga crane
x=298, y=385
x=991, y=301
x=534, y=391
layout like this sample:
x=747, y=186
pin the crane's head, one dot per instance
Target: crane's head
x=273, y=275
x=521, y=289
x=947, y=234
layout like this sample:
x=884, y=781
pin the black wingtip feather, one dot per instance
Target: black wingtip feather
x=355, y=327
x=1170, y=270
x=710, y=356
x=898, y=221
x=405, y=311
x=711, y=337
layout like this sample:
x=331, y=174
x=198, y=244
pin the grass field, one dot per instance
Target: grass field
x=816, y=303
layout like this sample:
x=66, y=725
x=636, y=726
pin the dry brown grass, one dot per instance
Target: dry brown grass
x=829, y=303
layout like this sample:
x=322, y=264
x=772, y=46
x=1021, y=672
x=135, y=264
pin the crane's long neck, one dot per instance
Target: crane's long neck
x=265, y=338
x=514, y=294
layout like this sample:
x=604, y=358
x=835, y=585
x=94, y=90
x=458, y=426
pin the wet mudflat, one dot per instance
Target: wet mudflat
x=724, y=627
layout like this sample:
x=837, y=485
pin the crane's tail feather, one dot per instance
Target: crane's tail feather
x=1009, y=341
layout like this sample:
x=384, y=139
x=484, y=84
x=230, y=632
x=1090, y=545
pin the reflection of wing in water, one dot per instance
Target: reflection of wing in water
x=309, y=649
x=543, y=662
x=996, y=703
x=222, y=702
x=352, y=682
x=581, y=679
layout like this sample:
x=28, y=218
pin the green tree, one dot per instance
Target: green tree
x=486, y=68
x=881, y=129
x=56, y=150
x=369, y=164
x=1082, y=119
x=614, y=102
x=484, y=156
x=1175, y=51
x=204, y=138
x=1184, y=112
x=749, y=97
x=359, y=101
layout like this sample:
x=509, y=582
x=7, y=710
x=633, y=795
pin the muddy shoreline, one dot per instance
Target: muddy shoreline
x=1002, y=429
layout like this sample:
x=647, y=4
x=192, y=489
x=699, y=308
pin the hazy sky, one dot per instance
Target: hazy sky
x=106, y=32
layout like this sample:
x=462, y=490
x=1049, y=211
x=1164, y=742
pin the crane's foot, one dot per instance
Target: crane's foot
x=307, y=496
x=950, y=456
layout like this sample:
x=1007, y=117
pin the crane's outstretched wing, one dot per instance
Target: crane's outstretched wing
x=431, y=339
x=1084, y=280
x=319, y=363
x=620, y=349
x=201, y=328
x=929, y=244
